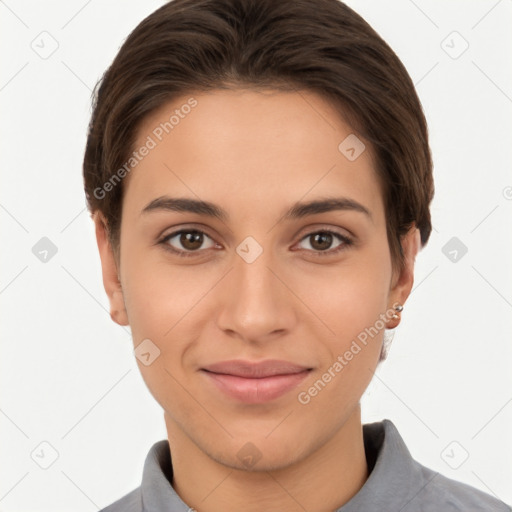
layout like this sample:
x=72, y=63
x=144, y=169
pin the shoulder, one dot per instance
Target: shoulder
x=131, y=502
x=400, y=482
x=452, y=495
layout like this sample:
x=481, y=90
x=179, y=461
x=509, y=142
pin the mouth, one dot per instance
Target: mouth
x=255, y=382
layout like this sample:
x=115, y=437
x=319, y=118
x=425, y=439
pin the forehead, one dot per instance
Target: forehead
x=251, y=148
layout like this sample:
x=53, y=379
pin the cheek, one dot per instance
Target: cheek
x=159, y=296
x=349, y=297
x=352, y=304
x=161, y=301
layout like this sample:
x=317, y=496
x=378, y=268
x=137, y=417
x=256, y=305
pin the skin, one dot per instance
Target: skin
x=255, y=153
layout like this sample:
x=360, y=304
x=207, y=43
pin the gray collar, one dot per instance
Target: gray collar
x=395, y=478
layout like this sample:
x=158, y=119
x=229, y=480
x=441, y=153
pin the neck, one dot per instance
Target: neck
x=325, y=479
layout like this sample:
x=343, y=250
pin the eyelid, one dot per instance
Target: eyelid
x=337, y=230
x=174, y=230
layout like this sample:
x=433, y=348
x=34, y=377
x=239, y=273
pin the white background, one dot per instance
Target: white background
x=68, y=374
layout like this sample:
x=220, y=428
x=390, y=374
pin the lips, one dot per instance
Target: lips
x=255, y=382
x=261, y=369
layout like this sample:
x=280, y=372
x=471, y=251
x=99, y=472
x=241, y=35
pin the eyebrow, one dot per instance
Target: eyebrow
x=297, y=211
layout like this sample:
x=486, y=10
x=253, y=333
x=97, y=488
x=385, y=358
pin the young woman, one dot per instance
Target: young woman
x=260, y=177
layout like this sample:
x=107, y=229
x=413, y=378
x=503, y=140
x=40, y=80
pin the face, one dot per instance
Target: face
x=265, y=280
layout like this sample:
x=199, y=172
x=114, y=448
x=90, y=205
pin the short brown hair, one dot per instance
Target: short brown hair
x=318, y=45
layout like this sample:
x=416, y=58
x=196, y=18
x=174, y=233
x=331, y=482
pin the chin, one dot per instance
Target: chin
x=259, y=453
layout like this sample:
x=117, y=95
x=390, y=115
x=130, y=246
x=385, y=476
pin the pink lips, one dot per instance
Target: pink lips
x=255, y=382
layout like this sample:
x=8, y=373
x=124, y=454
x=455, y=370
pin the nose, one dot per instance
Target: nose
x=256, y=305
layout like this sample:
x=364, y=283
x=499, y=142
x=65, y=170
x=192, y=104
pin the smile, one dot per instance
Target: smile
x=255, y=390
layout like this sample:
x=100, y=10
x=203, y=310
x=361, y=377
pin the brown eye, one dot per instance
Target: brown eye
x=187, y=241
x=322, y=241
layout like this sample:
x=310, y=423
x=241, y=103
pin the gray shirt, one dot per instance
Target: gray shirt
x=397, y=483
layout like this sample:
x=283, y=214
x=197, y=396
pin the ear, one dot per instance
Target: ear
x=111, y=281
x=403, y=279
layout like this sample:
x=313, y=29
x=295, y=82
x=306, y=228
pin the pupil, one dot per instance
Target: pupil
x=326, y=238
x=191, y=239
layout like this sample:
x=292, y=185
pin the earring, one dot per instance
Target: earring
x=398, y=309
